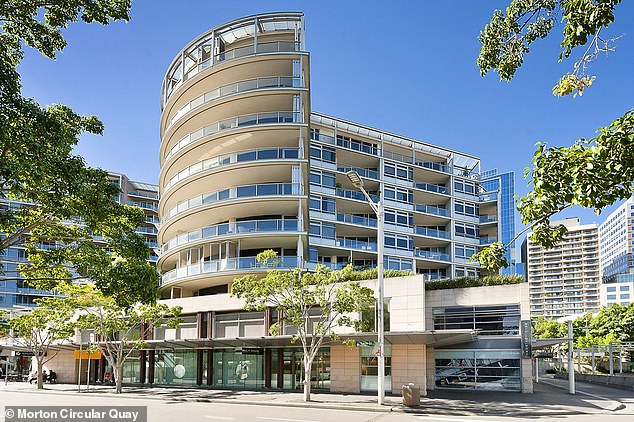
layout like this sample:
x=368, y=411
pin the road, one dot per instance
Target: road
x=176, y=411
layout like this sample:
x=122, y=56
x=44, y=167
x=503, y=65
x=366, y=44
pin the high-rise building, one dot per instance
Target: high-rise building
x=15, y=292
x=564, y=280
x=503, y=185
x=616, y=237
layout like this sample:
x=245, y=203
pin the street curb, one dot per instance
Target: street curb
x=333, y=406
x=613, y=405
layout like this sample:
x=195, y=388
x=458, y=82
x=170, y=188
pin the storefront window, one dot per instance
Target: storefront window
x=370, y=368
x=175, y=367
x=478, y=369
x=239, y=368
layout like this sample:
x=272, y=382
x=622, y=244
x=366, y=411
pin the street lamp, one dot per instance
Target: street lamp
x=378, y=210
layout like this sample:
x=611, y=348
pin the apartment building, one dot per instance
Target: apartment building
x=616, y=236
x=564, y=280
x=246, y=165
x=16, y=293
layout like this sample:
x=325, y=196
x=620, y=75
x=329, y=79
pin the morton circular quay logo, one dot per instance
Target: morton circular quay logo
x=76, y=413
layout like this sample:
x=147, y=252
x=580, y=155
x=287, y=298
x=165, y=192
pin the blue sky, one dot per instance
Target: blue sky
x=403, y=66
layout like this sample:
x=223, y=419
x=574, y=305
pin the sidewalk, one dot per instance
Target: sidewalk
x=548, y=400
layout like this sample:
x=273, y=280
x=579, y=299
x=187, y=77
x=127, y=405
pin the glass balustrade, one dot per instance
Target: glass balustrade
x=368, y=173
x=432, y=188
x=432, y=232
x=236, y=88
x=488, y=218
x=429, y=209
x=356, y=244
x=353, y=194
x=264, y=189
x=249, y=226
x=237, y=157
x=221, y=265
x=355, y=219
x=439, y=256
x=275, y=117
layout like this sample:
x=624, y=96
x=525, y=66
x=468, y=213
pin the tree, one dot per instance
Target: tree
x=311, y=303
x=119, y=330
x=39, y=330
x=592, y=173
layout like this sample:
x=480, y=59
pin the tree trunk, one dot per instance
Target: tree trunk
x=118, y=369
x=40, y=380
x=308, y=363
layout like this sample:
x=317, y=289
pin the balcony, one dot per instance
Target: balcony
x=484, y=219
x=246, y=191
x=356, y=244
x=487, y=240
x=367, y=173
x=223, y=265
x=229, y=159
x=355, y=219
x=144, y=205
x=240, y=227
x=432, y=188
x=440, y=234
x=354, y=194
x=275, y=117
x=430, y=209
x=247, y=85
x=438, y=256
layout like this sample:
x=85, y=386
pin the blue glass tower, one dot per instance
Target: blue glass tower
x=504, y=185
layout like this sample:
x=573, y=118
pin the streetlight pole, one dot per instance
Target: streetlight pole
x=378, y=210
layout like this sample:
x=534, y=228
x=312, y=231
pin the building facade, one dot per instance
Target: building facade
x=565, y=280
x=246, y=166
x=616, y=237
x=14, y=292
x=503, y=185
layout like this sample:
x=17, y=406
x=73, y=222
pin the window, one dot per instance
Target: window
x=477, y=369
x=399, y=195
x=624, y=288
x=401, y=264
x=625, y=296
x=370, y=368
x=467, y=208
x=488, y=320
x=323, y=204
x=465, y=187
x=611, y=289
x=322, y=178
x=611, y=297
x=399, y=218
x=465, y=251
x=399, y=242
x=466, y=272
x=399, y=171
x=467, y=230
x=323, y=230
x=357, y=145
x=323, y=153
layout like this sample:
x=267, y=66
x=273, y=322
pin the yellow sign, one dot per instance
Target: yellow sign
x=84, y=355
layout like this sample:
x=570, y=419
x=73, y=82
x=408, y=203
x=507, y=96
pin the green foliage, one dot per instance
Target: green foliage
x=492, y=257
x=37, y=165
x=509, y=35
x=613, y=324
x=311, y=303
x=463, y=282
x=121, y=329
x=372, y=274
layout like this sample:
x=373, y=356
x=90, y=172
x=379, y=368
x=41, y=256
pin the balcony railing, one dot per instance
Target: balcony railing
x=368, y=173
x=487, y=240
x=264, y=189
x=228, y=159
x=145, y=205
x=221, y=265
x=353, y=194
x=275, y=117
x=236, y=88
x=356, y=244
x=432, y=188
x=439, y=256
x=430, y=209
x=355, y=219
x=488, y=219
x=249, y=226
x=441, y=234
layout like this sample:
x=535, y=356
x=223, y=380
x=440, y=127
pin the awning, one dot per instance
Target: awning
x=541, y=343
